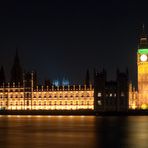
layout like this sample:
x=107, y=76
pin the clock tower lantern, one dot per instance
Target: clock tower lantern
x=142, y=66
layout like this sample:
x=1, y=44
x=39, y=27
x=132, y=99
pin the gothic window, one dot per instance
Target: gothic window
x=99, y=94
x=122, y=94
x=34, y=103
x=39, y=103
x=71, y=103
x=99, y=102
x=27, y=103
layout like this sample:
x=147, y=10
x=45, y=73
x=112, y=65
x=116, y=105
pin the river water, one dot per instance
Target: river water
x=73, y=132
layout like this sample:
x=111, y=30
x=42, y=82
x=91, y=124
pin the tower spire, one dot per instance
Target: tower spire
x=143, y=29
x=16, y=71
x=143, y=43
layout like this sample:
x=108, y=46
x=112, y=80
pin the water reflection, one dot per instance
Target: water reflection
x=73, y=131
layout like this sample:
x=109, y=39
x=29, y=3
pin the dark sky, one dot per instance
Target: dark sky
x=64, y=38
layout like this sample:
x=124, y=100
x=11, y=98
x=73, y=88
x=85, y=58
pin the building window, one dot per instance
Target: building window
x=76, y=102
x=122, y=94
x=110, y=94
x=99, y=102
x=34, y=103
x=87, y=102
x=99, y=94
x=39, y=103
x=71, y=103
x=49, y=102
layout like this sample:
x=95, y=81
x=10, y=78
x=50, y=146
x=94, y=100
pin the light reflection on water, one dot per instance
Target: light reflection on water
x=73, y=131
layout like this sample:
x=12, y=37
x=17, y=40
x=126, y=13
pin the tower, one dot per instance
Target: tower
x=16, y=71
x=87, y=79
x=2, y=75
x=142, y=67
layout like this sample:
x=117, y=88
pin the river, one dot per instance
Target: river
x=73, y=132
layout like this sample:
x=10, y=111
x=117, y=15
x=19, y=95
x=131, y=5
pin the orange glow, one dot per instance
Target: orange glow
x=47, y=100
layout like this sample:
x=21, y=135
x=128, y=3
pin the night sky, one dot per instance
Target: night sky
x=64, y=38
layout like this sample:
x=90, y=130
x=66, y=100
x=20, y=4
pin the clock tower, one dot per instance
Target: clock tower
x=142, y=66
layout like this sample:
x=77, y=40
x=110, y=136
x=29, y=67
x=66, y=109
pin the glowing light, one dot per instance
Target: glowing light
x=144, y=106
x=143, y=57
x=134, y=106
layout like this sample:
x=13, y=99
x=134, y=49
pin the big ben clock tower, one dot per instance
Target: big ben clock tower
x=142, y=66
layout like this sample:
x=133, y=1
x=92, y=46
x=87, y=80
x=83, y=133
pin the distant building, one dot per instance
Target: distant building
x=110, y=95
x=24, y=93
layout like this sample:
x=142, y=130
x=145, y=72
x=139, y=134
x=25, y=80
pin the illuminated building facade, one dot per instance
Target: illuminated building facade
x=30, y=97
x=139, y=99
x=24, y=93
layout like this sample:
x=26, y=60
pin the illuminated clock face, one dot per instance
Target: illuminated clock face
x=143, y=57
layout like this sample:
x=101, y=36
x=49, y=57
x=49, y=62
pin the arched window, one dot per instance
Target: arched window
x=34, y=102
x=77, y=103
x=71, y=103
x=39, y=103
